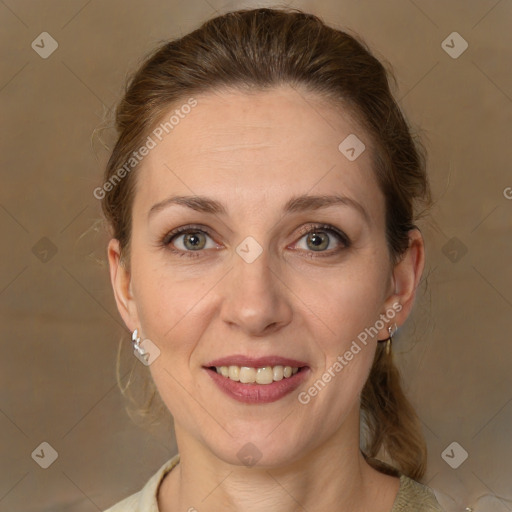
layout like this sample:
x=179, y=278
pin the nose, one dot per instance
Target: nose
x=256, y=300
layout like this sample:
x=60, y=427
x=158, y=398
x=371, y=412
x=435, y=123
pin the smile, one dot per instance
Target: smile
x=256, y=385
x=250, y=375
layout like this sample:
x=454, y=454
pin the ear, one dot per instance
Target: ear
x=404, y=283
x=120, y=278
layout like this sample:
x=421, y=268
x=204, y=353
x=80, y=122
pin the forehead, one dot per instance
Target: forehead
x=256, y=149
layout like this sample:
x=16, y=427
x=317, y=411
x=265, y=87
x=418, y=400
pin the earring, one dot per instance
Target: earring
x=136, y=343
x=391, y=330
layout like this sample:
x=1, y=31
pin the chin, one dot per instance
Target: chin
x=259, y=450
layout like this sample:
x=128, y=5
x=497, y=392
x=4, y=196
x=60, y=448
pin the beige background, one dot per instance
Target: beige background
x=59, y=325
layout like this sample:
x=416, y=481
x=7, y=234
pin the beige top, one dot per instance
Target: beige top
x=412, y=496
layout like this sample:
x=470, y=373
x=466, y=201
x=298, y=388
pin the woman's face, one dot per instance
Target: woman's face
x=248, y=282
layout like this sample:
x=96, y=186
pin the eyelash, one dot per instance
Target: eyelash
x=168, y=238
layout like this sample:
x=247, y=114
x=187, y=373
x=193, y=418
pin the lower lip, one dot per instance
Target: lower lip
x=258, y=393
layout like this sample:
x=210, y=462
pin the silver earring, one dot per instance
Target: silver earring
x=136, y=343
x=391, y=330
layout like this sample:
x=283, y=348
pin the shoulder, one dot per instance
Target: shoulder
x=145, y=500
x=129, y=504
x=413, y=494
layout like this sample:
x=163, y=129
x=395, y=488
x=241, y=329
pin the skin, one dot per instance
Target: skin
x=253, y=152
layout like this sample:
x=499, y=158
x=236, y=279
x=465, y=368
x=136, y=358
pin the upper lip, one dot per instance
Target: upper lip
x=256, y=362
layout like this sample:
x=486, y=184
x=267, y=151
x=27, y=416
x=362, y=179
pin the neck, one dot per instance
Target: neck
x=332, y=476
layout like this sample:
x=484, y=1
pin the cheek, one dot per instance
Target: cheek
x=340, y=310
x=170, y=309
x=342, y=305
x=172, y=315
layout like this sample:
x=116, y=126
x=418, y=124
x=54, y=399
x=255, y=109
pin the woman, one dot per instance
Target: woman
x=262, y=196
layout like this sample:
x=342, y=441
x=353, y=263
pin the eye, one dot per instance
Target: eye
x=188, y=239
x=318, y=238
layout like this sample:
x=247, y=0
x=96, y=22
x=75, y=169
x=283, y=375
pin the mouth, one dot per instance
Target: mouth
x=255, y=381
x=251, y=375
x=256, y=370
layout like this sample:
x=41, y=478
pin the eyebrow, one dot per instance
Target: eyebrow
x=296, y=204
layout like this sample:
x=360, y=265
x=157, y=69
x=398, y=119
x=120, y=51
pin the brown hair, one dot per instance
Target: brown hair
x=256, y=49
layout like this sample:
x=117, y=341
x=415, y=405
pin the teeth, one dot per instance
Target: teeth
x=233, y=372
x=278, y=373
x=265, y=375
